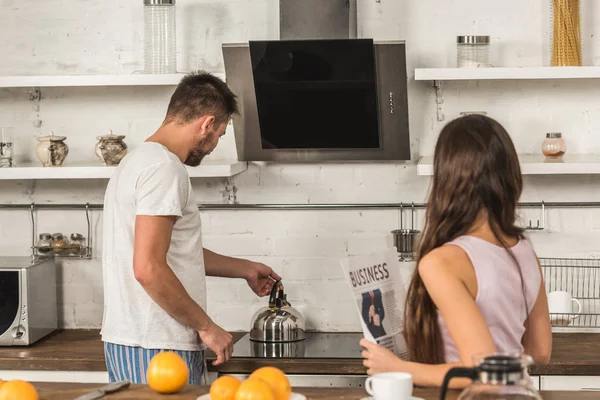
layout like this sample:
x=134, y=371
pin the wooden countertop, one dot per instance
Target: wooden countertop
x=67, y=391
x=82, y=350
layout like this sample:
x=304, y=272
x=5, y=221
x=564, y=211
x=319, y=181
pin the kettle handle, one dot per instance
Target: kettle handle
x=274, y=291
x=458, y=372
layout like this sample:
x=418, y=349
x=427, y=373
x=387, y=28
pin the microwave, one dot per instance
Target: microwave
x=319, y=100
x=28, y=309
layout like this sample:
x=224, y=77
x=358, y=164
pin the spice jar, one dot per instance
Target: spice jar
x=472, y=51
x=44, y=244
x=59, y=243
x=554, y=146
x=76, y=244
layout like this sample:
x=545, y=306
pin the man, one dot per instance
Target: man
x=154, y=265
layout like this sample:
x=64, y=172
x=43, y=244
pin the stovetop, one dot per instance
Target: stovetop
x=316, y=345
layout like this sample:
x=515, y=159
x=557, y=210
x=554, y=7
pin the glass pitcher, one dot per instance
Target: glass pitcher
x=497, y=376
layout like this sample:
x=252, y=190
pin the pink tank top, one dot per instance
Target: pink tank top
x=499, y=295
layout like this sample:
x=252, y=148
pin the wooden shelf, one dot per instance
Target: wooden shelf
x=213, y=169
x=532, y=164
x=492, y=73
x=94, y=80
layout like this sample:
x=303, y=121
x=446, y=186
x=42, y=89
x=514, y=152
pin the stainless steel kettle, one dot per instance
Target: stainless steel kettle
x=279, y=322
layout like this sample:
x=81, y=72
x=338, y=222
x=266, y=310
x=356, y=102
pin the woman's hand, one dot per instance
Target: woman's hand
x=378, y=359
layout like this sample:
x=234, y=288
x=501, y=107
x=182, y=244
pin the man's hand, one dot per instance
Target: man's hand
x=219, y=341
x=261, y=278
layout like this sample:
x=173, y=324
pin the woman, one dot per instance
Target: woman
x=478, y=287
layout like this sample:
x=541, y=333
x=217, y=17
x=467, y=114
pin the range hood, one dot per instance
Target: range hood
x=319, y=94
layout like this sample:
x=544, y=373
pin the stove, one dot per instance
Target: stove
x=307, y=363
x=317, y=345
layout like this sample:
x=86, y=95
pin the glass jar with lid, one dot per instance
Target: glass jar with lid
x=59, y=243
x=554, y=146
x=160, y=56
x=472, y=51
x=76, y=244
x=44, y=244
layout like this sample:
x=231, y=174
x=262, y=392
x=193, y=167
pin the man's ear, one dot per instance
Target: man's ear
x=205, y=124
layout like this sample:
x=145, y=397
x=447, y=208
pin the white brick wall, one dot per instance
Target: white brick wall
x=92, y=36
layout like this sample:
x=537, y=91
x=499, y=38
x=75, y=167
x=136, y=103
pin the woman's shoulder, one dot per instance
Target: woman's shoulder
x=444, y=258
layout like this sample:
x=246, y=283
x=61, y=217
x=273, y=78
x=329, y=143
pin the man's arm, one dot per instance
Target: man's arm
x=260, y=277
x=226, y=267
x=150, y=268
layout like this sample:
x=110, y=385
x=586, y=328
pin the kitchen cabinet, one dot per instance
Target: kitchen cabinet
x=569, y=382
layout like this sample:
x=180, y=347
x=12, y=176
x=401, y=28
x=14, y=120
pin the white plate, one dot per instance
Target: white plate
x=373, y=398
x=293, y=396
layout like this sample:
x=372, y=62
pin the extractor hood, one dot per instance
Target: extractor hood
x=319, y=94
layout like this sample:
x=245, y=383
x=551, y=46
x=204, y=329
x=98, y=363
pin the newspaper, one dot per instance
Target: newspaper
x=380, y=293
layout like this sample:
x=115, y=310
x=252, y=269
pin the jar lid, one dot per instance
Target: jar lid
x=51, y=138
x=553, y=135
x=159, y=2
x=111, y=136
x=45, y=236
x=57, y=236
x=470, y=39
x=76, y=236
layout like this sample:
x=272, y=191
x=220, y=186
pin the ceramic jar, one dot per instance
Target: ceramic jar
x=52, y=150
x=111, y=148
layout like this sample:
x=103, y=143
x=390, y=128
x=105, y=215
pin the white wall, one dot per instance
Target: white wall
x=105, y=37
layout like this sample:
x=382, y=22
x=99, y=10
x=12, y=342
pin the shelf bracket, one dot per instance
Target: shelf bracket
x=35, y=96
x=229, y=194
x=439, y=99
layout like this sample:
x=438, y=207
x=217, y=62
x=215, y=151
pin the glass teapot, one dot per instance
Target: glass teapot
x=497, y=376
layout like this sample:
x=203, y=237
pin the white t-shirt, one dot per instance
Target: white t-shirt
x=149, y=181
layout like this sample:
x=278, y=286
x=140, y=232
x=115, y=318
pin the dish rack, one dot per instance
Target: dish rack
x=581, y=279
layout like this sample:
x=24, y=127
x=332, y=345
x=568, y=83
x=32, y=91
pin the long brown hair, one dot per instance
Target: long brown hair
x=476, y=169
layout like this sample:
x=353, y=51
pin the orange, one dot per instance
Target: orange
x=254, y=389
x=224, y=388
x=18, y=390
x=277, y=379
x=1, y=382
x=167, y=373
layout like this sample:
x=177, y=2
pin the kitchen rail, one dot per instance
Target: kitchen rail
x=339, y=206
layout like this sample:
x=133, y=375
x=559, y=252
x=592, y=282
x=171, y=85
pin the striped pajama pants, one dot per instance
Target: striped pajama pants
x=131, y=363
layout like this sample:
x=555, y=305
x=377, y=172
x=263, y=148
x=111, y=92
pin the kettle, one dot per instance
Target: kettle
x=498, y=376
x=279, y=322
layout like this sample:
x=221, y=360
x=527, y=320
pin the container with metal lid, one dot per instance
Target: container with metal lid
x=76, y=244
x=554, y=146
x=160, y=55
x=44, y=244
x=279, y=322
x=472, y=51
x=59, y=243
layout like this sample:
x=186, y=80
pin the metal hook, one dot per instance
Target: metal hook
x=401, y=212
x=89, y=230
x=542, y=226
x=33, y=231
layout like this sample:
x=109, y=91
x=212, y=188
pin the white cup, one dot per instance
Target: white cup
x=559, y=304
x=390, y=386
